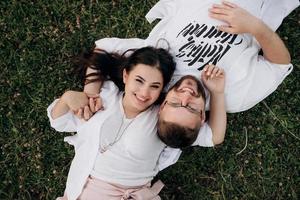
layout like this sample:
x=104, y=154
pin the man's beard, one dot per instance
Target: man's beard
x=200, y=88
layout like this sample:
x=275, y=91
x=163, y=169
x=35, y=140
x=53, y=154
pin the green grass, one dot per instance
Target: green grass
x=38, y=40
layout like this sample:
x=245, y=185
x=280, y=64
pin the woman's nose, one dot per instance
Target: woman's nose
x=144, y=92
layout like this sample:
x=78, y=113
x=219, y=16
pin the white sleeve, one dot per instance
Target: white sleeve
x=274, y=11
x=65, y=123
x=266, y=78
x=251, y=80
x=168, y=156
x=118, y=45
x=161, y=9
x=204, y=138
x=108, y=91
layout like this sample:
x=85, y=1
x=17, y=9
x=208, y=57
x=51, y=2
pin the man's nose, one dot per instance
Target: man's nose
x=185, y=98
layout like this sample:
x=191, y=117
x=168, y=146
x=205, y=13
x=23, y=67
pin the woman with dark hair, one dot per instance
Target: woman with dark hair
x=116, y=151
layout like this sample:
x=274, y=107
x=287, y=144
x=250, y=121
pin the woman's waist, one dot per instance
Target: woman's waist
x=124, y=178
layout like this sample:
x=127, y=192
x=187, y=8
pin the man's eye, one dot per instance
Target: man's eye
x=194, y=109
x=175, y=104
x=175, y=101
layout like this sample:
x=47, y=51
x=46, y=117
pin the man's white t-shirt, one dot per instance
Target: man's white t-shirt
x=194, y=41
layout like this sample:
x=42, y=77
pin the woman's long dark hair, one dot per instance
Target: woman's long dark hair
x=109, y=66
x=106, y=66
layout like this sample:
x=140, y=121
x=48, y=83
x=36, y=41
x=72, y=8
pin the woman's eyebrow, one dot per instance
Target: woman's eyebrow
x=157, y=83
x=138, y=76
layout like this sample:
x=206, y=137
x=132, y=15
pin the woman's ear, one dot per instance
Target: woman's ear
x=125, y=76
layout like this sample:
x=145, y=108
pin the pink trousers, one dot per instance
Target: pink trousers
x=96, y=189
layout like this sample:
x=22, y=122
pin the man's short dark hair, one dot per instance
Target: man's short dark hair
x=176, y=136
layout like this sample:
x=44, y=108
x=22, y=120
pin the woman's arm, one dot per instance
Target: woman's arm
x=70, y=100
x=93, y=87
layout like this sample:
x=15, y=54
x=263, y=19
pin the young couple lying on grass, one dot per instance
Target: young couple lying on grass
x=120, y=148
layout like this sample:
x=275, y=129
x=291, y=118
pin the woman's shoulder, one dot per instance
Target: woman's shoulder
x=151, y=113
x=109, y=90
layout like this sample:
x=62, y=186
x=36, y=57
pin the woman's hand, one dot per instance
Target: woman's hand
x=75, y=100
x=94, y=105
x=70, y=100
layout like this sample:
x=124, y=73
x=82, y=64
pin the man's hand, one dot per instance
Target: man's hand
x=238, y=19
x=213, y=78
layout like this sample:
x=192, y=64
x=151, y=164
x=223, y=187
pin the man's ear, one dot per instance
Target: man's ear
x=125, y=76
x=161, y=108
x=203, y=117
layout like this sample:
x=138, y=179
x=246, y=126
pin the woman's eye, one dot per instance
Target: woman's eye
x=155, y=86
x=139, y=80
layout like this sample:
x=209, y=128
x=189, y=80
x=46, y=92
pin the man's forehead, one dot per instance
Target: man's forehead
x=172, y=82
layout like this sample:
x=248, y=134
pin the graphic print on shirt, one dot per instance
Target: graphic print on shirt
x=205, y=44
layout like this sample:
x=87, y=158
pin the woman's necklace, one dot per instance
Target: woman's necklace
x=118, y=136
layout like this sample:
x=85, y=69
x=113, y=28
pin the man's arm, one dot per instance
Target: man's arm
x=214, y=79
x=240, y=21
x=272, y=46
x=217, y=120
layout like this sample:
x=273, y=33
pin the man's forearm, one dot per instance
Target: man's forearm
x=272, y=46
x=240, y=21
x=218, y=118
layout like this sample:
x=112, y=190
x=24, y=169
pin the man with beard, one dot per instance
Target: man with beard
x=197, y=35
